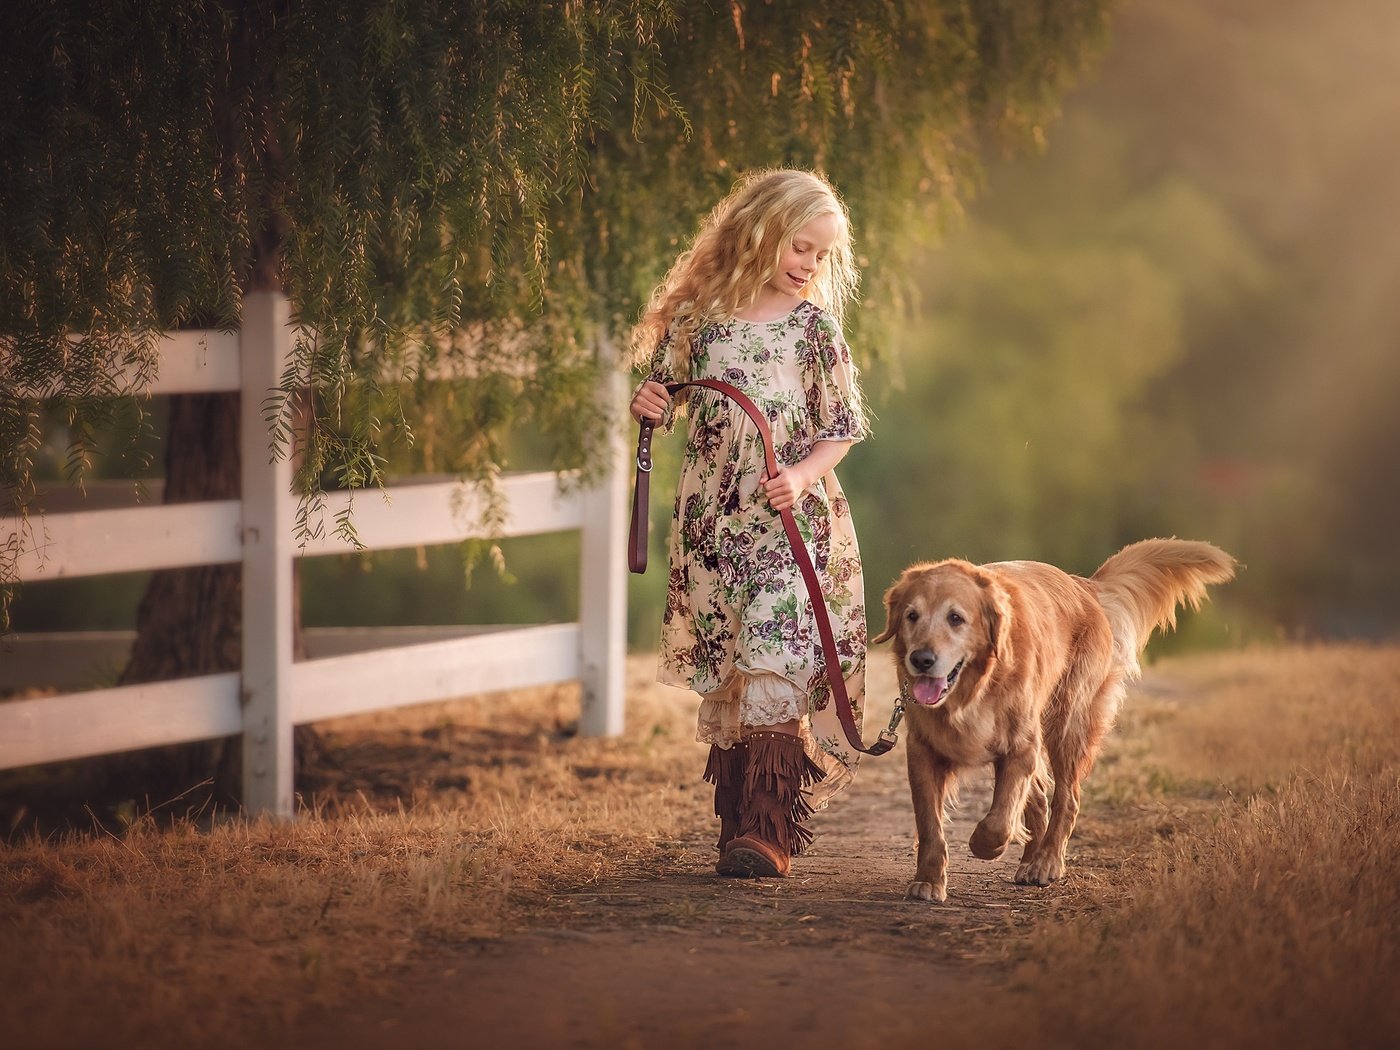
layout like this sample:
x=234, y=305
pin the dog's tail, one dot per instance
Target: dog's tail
x=1141, y=586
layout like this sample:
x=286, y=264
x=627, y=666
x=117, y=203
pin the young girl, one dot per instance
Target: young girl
x=757, y=301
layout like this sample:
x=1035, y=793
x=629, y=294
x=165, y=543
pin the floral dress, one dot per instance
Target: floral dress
x=738, y=627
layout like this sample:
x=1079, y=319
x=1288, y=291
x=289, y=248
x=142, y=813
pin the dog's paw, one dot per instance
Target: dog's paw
x=926, y=891
x=1040, y=872
x=988, y=842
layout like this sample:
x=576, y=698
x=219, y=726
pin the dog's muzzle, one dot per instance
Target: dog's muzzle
x=930, y=690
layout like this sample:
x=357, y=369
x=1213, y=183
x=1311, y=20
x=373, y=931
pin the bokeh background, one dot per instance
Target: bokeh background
x=1182, y=317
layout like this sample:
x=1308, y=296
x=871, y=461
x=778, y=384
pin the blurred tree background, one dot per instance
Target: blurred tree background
x=1180, y=317
x=1183, y=318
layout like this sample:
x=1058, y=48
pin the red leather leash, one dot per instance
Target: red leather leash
x=637, y=556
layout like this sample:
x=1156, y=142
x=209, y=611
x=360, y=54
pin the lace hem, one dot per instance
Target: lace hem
x=768, y=699
x=746, y=701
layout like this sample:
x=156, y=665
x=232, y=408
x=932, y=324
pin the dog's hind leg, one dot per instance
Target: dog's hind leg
x=930, y=780
x=1072, y=752
x=1035, y=817
x=1048, y=862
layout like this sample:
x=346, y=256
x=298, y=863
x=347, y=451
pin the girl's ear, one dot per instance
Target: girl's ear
x=894, y=605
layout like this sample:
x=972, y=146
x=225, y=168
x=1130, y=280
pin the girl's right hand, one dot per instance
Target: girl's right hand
x=651, y=402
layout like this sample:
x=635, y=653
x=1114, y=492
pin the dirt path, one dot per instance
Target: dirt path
x=688, y=957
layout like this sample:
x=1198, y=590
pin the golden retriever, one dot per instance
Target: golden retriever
x=1022, y=665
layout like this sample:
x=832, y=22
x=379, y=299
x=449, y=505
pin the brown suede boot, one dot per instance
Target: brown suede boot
x=725, y=770
x=772, y=809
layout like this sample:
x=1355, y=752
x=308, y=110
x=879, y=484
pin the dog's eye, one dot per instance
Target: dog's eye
x=912, y=616
x=955, y=620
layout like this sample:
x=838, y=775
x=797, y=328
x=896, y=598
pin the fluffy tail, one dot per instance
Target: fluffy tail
x=1141, y=586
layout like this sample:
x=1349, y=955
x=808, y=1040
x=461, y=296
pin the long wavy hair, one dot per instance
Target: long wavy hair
x=737, y=251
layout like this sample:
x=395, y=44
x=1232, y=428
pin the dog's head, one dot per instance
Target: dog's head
x=950, y=621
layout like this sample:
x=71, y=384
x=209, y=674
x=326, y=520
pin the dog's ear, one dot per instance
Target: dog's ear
x=996, y=610
x=894, y=605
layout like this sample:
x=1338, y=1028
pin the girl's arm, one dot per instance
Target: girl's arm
x=783, y=491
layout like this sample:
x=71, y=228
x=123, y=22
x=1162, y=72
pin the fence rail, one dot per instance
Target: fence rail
x=79, y=725
x=271, y=693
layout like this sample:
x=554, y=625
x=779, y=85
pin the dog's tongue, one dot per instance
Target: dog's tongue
x=929, y=690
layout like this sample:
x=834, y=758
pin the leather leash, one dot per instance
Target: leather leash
x=637, y=558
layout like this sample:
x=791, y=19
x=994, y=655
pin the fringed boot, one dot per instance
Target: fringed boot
x=725, y=770
x=772, y=809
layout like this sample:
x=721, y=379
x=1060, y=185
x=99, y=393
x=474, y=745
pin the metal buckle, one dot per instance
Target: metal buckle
x=895, y=715
x=645, y=468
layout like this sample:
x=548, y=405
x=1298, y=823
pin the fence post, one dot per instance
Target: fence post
x=603, y=580
x=268, y=513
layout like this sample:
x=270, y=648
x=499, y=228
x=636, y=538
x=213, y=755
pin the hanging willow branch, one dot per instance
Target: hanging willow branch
x=475, y=189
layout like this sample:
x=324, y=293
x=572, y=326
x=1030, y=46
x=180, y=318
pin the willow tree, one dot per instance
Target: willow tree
x=491, y=187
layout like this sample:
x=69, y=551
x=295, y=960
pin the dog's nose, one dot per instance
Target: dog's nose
x=922, y=660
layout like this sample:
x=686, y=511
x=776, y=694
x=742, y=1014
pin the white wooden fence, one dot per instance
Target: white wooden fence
x=273, y=693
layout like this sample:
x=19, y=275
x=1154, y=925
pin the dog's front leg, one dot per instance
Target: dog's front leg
x=993, y=832
x=930, y=777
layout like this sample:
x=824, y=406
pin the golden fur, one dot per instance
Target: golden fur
x=1023, y=665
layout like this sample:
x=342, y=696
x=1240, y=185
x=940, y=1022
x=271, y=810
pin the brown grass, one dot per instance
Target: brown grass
x=1249, y=802
x=1268, y=910
x=182, y=936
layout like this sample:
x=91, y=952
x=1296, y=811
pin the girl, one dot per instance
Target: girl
x=757, y=301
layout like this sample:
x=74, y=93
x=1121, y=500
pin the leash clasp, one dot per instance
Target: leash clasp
x=888, y=734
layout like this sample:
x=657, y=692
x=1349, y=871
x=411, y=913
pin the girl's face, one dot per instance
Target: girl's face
x=804, y=255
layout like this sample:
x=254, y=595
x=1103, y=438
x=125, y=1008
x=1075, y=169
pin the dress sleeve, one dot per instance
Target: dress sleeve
x=662, y=369
x=834, y=398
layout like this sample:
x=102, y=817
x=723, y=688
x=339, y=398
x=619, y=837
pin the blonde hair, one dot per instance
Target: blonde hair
x=737, y=251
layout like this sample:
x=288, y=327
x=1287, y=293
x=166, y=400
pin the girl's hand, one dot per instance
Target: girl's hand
x=784, y=488
x=651, y=402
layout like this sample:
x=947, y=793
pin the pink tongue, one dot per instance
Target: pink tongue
x=929, y=690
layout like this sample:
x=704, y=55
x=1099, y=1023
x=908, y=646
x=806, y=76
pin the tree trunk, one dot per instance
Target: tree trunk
x=189, y=620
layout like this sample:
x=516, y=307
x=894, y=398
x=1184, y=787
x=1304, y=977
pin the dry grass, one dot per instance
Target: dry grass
x=180, y=937
x=1247, y=814
x=1268, y=911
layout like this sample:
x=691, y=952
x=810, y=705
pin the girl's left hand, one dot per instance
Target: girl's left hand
x=784, y=488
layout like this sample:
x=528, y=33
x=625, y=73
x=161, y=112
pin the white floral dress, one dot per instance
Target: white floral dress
x=738, y=627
